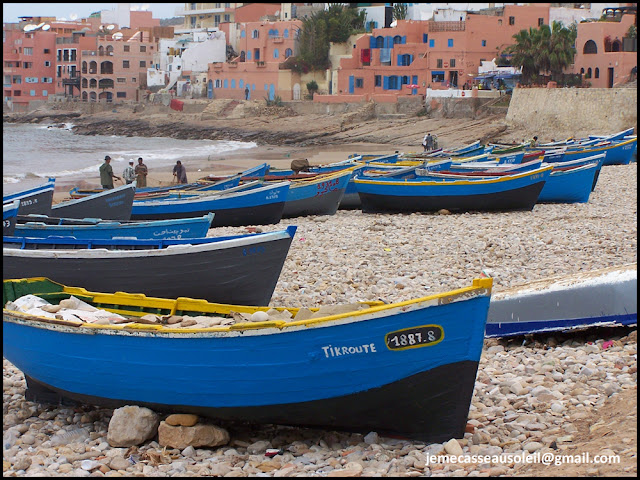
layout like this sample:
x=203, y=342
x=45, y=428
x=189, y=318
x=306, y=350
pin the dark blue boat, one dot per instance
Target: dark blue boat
x=241, y=269
x=33, y=200
x=261, y=205
x=9, y=216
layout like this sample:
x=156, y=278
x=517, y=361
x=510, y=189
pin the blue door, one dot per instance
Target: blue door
x=210, y=89
x=351, y=83
x=272, y=92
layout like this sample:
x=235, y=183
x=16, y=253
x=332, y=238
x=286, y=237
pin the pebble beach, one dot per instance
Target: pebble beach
x=531, y=394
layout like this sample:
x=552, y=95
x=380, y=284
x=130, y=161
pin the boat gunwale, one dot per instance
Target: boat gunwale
x=480, y=287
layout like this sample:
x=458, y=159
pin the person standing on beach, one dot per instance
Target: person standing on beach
x=427, y=142
x=106, y=174
x=179, y=172
x=141, y=172
x=246, y=93
x=129, y=174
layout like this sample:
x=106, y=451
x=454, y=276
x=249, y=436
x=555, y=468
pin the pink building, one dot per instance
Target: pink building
x=28, y=66
x=605, y=55
x=263, y=46
x=437, y=54
x=117, y=68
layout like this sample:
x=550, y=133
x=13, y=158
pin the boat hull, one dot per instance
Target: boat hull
x=245, y=274
x=160, y=229
x=35, y=200
x=570, y=186
x=260, y=206
x=114, y=204
x=517, y=192
x=341, y=372
x=606, y=297
x=321, y=197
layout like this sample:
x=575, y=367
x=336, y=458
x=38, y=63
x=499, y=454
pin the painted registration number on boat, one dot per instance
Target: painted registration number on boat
x=423, y=336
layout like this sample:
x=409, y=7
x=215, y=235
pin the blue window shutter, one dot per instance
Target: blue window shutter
x=226, y=83
x=385, y=83
x=351, y=83
x=414, y=80
x=400, y=62
x=388, y=42
x=404, y=39
x=372, y=42
x=432, y=43
x=450, y=42
x=233, y=83
x=425, y=38
x=248, y=54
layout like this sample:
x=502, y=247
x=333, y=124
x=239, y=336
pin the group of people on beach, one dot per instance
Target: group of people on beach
x=429, y=142
x=139, y=173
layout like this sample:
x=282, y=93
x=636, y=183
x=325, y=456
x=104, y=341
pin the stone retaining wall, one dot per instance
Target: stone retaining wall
x=573, y=110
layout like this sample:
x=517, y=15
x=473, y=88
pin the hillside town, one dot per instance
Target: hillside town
x=246, y=51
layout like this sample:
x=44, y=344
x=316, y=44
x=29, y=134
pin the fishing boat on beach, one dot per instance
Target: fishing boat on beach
x=405, y=368
x=242, y=269
x=41, y=226
x=33, y=200
x=519, y=191
x=9, y=217
x=598, y=298
x=247, y=204
x=112, y=204
x=320, y=195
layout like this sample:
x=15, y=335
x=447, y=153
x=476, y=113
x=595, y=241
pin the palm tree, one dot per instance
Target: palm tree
x=545, y=49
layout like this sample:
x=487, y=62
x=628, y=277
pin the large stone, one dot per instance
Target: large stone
x=197, y=436
x=132, y=425
x=452, y=447
x=182, y=420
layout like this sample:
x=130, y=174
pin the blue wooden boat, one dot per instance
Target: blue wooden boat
x=38, y=226
x=320, y=195
x=253, y=173
x=613, y=136
x=33, y=200
x=509, y=192
x=112, y=204
x=599, y=298
x=404, y=368
x=9, y=216
x=242, y=269
x=617, y=153
x=569, y=185
x=261, y=205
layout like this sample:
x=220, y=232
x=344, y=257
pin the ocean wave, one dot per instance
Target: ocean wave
x=68, y=173
x=181, y=152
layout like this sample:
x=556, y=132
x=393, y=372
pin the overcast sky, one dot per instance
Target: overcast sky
x=11, y=11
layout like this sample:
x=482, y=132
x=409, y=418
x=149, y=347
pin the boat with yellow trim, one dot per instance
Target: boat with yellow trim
x=519, y=191
x=405, y=368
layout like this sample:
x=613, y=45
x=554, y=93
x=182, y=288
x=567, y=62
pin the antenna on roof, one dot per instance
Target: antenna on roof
x=46, y=27
x=111, y=27
x=73, y=16
x=29, y=28
x=117, y=35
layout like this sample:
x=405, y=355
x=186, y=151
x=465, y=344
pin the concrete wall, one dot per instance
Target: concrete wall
x=605, y=110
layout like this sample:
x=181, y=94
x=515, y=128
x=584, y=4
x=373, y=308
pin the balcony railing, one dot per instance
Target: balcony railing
x=446, y=26
x=261, y=63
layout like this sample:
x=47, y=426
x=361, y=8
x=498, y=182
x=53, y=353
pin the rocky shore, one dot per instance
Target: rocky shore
x=558, y=394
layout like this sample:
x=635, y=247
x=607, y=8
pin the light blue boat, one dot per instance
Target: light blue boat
x=96, y=228
x=617, y=152
x=571, y=185
x=405, y=368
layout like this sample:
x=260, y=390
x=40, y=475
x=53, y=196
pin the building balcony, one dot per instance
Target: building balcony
x=446, y=26
x=181, y=12
x=277, y=39
x=260, y=64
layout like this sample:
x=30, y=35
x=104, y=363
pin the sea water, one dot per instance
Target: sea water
x=31, y=153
